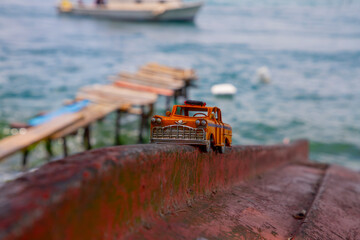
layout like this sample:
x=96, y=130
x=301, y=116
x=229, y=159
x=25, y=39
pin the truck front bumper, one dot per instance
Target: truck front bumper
x=180, y=141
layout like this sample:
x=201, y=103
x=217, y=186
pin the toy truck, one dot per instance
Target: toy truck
x=192, y=123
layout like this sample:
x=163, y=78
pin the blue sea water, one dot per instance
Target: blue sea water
x=312, y=49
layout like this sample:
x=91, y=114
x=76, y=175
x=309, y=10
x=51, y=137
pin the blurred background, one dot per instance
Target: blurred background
x=311, y=49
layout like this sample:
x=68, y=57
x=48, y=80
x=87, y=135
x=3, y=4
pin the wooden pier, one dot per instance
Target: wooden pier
x=128, y=93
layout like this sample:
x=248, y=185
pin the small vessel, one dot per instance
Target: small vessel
x=133, y=10
x=263, y=75
x=225, y=89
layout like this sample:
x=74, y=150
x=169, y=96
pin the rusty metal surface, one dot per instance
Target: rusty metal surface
x=335, y=212
x=258, y=209
x=265, y=208
x=109, y=193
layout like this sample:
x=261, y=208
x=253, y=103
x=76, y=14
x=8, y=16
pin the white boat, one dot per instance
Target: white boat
x=225, y=89
x=134, y=10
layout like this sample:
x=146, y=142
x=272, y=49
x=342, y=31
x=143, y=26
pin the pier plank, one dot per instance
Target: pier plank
x=159, y=77
x=135, y=80
x=153, y=81
x=90, y=114
x=15, y=143
x=130, y=96
x=186, y=74
x=95, y=98
x=140, y=87
x=129, y=79
x=148, y=70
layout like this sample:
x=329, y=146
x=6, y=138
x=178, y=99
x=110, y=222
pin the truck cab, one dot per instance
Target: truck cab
x=192, y=123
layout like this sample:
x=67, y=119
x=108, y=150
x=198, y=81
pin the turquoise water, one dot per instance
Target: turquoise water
x=312, y=49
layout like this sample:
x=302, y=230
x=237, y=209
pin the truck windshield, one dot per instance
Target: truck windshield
x=191, y=112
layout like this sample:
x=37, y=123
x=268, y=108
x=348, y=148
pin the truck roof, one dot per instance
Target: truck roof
x=195, y=103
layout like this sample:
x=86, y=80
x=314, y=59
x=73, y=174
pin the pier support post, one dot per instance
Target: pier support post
x=176, y=95
x=167, y=105
x=87, y=137
x=48, y=147
x=117, y=127
x=25, y=157
x=142, y=124
x=65, y=149
x=184, y=90
x=149, y=115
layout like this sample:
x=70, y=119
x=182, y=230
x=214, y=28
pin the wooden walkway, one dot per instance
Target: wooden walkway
x=128, y=93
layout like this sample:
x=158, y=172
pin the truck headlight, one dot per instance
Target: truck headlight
x=153, y=120
x=197, y=122
x=158, y=120
x=203, y=122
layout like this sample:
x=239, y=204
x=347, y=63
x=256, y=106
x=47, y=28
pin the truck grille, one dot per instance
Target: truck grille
x=178, y=132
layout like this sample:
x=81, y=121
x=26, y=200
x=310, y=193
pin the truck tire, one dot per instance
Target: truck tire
x=208, y=147
x=222, y=149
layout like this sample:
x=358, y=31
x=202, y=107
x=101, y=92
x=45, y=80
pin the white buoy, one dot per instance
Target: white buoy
x=263, y=75
x=225, y=89
x=286, y=141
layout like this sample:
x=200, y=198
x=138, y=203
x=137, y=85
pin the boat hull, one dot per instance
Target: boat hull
x=185, y=12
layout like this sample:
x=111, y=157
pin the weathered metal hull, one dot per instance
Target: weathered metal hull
x=177, y=192
x=187, y=12
x=268, y=207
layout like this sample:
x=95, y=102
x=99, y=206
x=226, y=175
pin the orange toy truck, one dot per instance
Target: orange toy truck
x=192, y=123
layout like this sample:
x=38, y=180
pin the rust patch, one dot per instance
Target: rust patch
x=109, y=193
